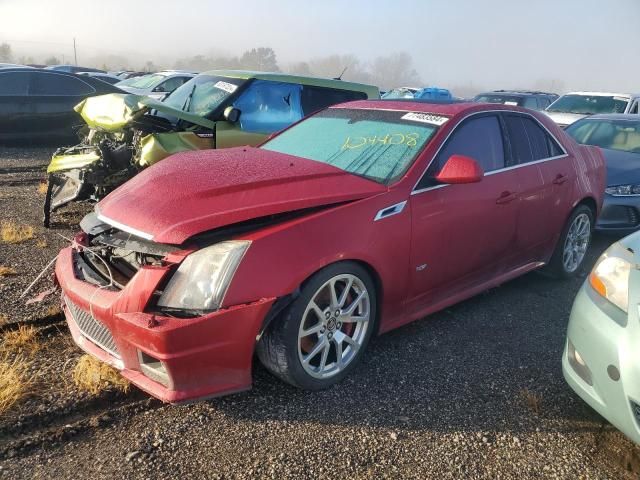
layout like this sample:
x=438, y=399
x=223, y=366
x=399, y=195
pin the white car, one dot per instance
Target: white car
x=156, y=85
x=573, y=106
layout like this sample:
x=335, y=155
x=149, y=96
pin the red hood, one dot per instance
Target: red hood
x=192, y=192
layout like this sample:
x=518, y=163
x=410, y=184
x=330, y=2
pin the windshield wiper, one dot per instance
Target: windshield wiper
x=187, y=102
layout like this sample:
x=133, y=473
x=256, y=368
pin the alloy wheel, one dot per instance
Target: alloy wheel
x=334, y=326
x=576, y=242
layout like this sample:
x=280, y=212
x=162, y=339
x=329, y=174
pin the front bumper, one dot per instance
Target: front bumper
x=607, y=375
x=198, y=357
x=619, y=215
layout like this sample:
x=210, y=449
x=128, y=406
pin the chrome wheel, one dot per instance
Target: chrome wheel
x=334, y=326
x=576, y=243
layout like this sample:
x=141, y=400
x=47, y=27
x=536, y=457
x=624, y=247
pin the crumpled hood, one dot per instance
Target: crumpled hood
x=193, y=192
x=563, y=118
x=113, y=111
x=623, y=168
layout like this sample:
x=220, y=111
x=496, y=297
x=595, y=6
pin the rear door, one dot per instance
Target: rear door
x=54, y=95
x=545, y=175
x=14, y=104
x=463, y=235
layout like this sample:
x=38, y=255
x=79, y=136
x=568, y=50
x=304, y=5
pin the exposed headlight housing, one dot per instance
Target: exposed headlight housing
x=202, y=279
x=610, y=276
x=624, y=190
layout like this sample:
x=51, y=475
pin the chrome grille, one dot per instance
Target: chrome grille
x=92, y=328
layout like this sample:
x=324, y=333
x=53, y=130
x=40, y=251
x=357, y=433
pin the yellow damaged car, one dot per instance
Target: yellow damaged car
x=125, y=133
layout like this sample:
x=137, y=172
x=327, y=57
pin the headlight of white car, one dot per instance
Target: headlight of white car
x=610, y=276
x=202, y=279
x=624, y=190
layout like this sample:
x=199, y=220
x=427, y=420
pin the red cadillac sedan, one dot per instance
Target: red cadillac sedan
x=352, y=222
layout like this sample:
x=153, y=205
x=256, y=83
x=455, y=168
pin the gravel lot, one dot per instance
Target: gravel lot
x=475, y=391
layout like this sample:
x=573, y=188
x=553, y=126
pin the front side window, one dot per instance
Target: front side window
x=56, y=85
x=479, y=138
x=203, y=94
x=589, y=104
x=266, y=107
x=530, y=102
x=14, y=83
x=623, y=135
x=378, y=145
x=529, y=141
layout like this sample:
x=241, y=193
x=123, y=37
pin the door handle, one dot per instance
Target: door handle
x=560, y=179
x=506, y=197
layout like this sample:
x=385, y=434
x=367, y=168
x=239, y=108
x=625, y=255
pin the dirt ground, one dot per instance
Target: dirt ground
x=475, y=391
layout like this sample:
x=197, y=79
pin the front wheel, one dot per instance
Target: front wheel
x=572, y=245
x=321, y=336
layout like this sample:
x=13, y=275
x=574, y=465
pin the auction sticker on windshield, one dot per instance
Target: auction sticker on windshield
x=438, y=120
x=227, y=87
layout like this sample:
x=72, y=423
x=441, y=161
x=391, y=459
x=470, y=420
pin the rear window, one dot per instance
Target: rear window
x=589, y=104
x=503, y=99
x=375, y=144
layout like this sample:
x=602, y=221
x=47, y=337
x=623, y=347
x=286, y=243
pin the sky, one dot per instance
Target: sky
x=488, y=44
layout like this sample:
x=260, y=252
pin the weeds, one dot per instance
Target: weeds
x=53, y=310
x=15, y=383
x=532, y=400
x=11, y=232
x=42, y=188
x=24, y=340
x=7, y=271
x=4, y=319
x=93, y=376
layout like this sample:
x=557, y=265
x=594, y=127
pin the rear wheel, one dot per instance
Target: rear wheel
x=573, y=244
x=321, y=336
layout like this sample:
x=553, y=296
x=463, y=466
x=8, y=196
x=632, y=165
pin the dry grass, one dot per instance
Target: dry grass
x=532, y=400
x=24, y=340
x=42, y=188
x=4, y=319
x=11, y=232
x=7, y=271
x=41, y=243
x=53, y=310
x=93, y=376
x=15, y=383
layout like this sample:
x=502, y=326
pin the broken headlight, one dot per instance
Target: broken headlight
x=202, y=279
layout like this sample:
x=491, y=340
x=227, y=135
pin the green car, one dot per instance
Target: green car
x=601, y=361
x=125, y=133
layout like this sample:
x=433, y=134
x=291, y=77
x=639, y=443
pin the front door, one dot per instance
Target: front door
x=463, y=235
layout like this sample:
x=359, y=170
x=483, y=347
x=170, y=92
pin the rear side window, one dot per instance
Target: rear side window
x=479, y=138
x=57, y=85
x=14, y=83
x=530, y=102
x=317, y=98
x=529, y=141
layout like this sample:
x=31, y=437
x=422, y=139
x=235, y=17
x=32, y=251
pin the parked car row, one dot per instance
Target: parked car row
x=187, y=270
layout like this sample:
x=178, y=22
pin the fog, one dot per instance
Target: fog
x=464, y=45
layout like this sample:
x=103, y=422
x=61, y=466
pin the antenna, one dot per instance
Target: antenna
x=75, y=53
x=339, y=77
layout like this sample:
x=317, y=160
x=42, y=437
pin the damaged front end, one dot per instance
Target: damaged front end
x=124, y=133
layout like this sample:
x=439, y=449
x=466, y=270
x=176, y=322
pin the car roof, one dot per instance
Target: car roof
x=614, y=116
x=450, y=108
x=283, y=77
x=605, y=94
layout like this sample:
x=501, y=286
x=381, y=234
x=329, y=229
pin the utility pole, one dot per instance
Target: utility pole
x=75, y=54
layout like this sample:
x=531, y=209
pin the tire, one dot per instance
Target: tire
x=559, y=266
x=285, y=348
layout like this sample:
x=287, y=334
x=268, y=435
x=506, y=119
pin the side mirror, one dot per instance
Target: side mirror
x=231, y=114
x=460, y=169
x=159, y=88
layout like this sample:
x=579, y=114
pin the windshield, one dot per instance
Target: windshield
x=375, y=144
x=203, y=94
x=503, y=99
x=589, y=104
x=623, y=135
x=144, y=82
